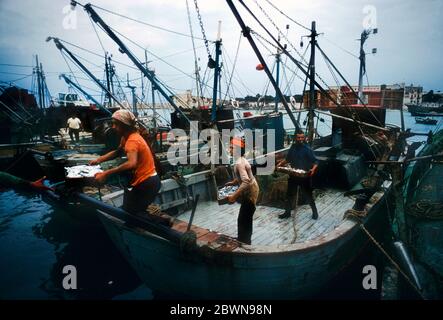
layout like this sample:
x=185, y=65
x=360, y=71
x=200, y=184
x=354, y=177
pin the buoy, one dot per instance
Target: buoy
x=260, y=67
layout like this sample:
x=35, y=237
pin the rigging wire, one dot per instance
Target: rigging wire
x=151, y=53
x=284, y=14
x=96, y=33
x=15, y=65
x=340, y=47
x=233, y=68
x=354, y=115
x=197, y=71
x=144, y=23
x=278, y=29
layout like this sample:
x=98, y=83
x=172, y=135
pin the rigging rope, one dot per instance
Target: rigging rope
x=233, y=68
x=284, y=14
x=197, y=69
x=358, y=216
x=144, y=23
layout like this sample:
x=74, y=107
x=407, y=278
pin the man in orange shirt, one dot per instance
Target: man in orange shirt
x=145, y=183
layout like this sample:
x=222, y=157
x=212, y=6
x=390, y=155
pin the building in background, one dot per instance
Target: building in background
x=384, y=96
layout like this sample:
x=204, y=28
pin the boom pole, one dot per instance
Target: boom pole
x=123, y=49
x=247, y=33
x=61, y=47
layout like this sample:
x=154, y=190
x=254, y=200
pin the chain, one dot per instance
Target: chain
x=202, y=29
x=289, y=42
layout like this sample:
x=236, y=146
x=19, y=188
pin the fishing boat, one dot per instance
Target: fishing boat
x=424, y=212
x=185, y=244
x=426, y=120
x=425, y=109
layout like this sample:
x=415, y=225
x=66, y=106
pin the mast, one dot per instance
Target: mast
x=111, y=75
x=43, y=81
x=153, y=105
x=39, y=83
x=277, y=76
x=312, y=97
x=134, y=98
x=108, y=83
x=216, y=73
x=247, y=33
x=364, y=36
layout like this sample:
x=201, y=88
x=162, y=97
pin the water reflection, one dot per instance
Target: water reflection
x=61, y=235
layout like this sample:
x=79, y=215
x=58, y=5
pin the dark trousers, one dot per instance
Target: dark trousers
x=306, y=190
x=142, y=195
x=75, y=132
x=244, y=221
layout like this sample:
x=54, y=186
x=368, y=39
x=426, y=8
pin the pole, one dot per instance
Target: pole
x=216, y=74
x=39, y=84
x=111, y=75
x=364, y=36
x=247, y=33
x=61, y=47
x=42, y=77
x=108, y=84
x=87, y=95
x=122, y=47
x=312, y=97
x=153, y=106
x=134, y=99
x=277, y=78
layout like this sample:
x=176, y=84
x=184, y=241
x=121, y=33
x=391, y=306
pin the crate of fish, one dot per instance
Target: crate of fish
x=224, y=192
x=293, y=172
x=80, y=176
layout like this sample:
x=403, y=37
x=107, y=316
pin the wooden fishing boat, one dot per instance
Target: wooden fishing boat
x=290, y=258
x=186, y=246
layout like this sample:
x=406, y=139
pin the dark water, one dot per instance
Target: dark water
x=38, y=238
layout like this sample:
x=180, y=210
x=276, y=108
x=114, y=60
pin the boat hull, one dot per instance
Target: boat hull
x=244, y=274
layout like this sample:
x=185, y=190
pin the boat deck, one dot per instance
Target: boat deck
x=268, y=229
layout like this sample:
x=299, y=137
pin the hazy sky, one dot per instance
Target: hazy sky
x=409, y=41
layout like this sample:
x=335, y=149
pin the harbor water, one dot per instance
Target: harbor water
x=39, y=238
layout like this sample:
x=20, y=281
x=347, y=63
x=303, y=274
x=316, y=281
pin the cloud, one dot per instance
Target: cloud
x=409, y=39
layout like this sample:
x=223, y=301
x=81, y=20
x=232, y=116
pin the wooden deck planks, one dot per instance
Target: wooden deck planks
x=268, y=229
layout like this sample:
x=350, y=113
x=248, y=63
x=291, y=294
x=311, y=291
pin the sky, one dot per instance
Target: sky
x=409, y=42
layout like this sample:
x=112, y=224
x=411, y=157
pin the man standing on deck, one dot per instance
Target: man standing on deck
x=300, y=156
x=73, y=126
x=247, y=193
x=145, y=183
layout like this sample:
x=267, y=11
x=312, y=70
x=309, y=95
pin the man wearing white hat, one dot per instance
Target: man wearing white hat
x=145, y=183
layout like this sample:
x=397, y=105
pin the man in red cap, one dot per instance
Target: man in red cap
x=145, y=183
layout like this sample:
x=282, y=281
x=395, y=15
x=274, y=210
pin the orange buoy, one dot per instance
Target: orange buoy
x=260, y=67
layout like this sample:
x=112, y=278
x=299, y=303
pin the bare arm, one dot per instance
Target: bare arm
x=106, y=157
x=128, y=165
x=232, y=183
x=109, y=156
x=282, y=163
x=313, y=169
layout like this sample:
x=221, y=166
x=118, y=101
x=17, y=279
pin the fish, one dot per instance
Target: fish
x=82, y=171
x=226, y=191
x=292, y=171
